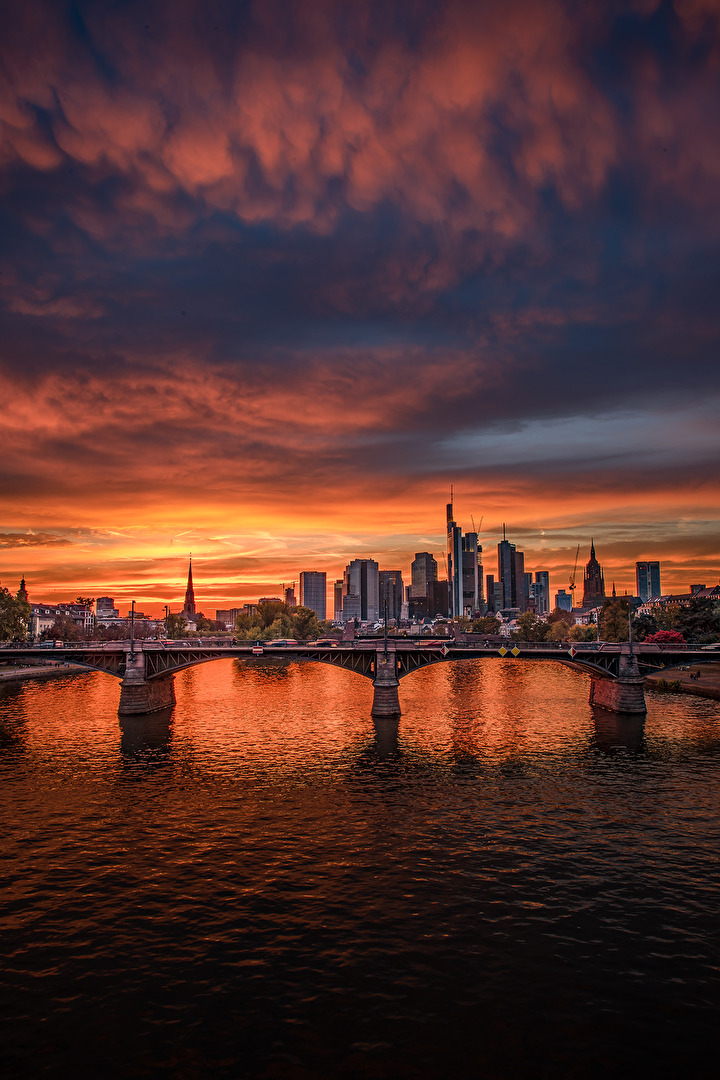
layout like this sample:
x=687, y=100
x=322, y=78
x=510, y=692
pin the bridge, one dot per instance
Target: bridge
x=146, y=669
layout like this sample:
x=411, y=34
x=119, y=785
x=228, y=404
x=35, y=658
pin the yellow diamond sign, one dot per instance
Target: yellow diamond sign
x=515, y=651
x=502, y=650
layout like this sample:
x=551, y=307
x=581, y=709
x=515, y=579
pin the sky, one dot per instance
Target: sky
x=274, y=275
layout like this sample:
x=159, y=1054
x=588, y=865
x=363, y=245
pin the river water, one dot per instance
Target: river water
x=262, y=882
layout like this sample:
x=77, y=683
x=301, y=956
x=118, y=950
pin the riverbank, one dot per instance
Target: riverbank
x=680, y=681
x=41, y=671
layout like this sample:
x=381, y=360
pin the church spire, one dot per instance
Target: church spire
x=189, y=608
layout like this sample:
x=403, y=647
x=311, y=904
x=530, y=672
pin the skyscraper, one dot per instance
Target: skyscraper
x=313, y=591
x=390, y=593
x=542, y=591
x=454, y=565
x=361, y=580
x=338, y=599
x=647, y=577
x=507, y=567
x=593, y=581
x=423, y=570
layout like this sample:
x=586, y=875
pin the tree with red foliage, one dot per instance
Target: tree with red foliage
x=666, y=637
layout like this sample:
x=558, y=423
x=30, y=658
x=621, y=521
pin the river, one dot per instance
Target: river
x=264, y=883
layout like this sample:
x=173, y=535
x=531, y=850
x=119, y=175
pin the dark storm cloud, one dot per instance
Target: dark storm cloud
x=324, y=240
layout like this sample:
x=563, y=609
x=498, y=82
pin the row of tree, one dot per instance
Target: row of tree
x=697, y=622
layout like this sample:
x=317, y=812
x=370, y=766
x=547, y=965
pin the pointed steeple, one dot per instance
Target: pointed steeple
x=189, y=608
x=22, y=591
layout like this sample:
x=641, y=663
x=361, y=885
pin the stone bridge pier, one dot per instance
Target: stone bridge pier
x=624, y=694
x=386, y=703
x=138, y=694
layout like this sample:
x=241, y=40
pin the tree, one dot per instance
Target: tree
x=64, y=629
x=561, y=615
x=698, y=621
x=582, y=633
x=666, y=637
x=14, y=616
x=530, y=628
x=176, y=625
x=85, y=601
x=614, y=625
x=488, y=624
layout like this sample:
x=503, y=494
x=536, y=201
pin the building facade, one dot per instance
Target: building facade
x=423, y=570
x=593, y=581
x=647, y=578
x=391, y=594
x=313, y=591
x=361, y=580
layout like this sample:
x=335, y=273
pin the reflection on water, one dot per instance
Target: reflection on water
x=263, y=882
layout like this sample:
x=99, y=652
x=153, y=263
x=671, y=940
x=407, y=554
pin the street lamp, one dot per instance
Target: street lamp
x=132, y=630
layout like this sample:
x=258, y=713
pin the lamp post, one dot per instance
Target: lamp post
x=132, y=630
x=167, y=621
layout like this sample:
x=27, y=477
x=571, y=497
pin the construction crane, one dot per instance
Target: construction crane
x=572, y=577
x=473, y=524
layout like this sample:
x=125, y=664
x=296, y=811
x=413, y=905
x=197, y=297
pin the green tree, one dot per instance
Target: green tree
x=306, y=625
x=488, y=624
x=85, y=601
x=582, y=633
x=176, y=625
x=530, y=628
x=698, y=621
x=14, y=617
x=614, y=619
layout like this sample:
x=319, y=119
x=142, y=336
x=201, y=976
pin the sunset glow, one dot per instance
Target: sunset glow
x=274, y=275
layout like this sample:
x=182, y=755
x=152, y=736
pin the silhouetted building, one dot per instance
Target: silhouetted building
x=313, y=591
x=351, y=607
x=647, y=577
x=337, y=599
x=424, y=569
x=454, y=565
x=22, y=593
x=542, y=591
x=361, y=579
x=390, y=594
x=437, y=598
x=510, y=562
x=472, y=584
x=593, y=581
x=290, y=597
x=189, y=610
x=563, y=600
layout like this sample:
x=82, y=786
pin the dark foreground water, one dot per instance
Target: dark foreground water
x=262, y=883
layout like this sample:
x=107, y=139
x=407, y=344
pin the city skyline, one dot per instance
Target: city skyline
x=276, y=275
x=213, y=594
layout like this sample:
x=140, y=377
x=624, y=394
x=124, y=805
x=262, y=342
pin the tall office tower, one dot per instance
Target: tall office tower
x=490, y=593
x=350, y=607
x=472, y=584
x=390, y=593
x=437, y=598
x=361, y=579
x=189, y=606
x=423, y=570
x=290, y=597
x=563, y=600
x=542, y=578
x=593, y=581
x=337, y=600
x=313, y=591
x=454, y=565
x=647, y=577
x=506, y=572
x=521, y=597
